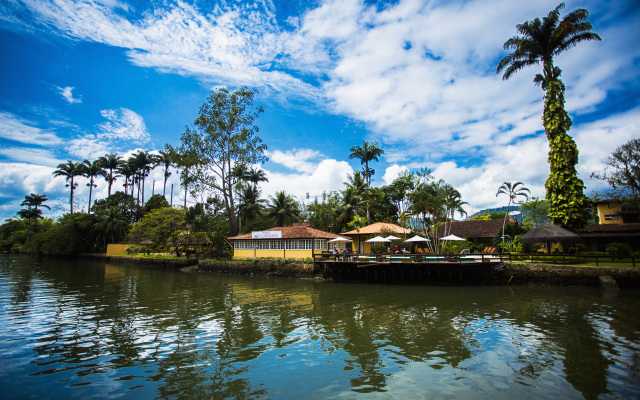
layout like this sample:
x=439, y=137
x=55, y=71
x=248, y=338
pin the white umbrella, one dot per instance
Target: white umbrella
x=339, y=239
x=378, y=239
x=417, y=239
x=391, y=237
x=452, y=237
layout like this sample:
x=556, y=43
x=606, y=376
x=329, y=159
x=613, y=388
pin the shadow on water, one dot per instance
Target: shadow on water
x=94, y=327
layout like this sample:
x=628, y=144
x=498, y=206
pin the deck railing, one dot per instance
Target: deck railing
x=563, y=259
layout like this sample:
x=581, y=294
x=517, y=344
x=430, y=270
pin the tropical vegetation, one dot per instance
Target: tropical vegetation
x=538, y=42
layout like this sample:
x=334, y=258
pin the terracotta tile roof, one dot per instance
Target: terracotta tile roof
x=298, y=231
x=377, y=229
x=475, y=229
x=610, y=230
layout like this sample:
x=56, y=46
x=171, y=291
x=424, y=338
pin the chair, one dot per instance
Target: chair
x=465, y=251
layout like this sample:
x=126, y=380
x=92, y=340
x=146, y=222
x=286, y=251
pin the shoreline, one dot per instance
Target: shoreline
x=516, y=274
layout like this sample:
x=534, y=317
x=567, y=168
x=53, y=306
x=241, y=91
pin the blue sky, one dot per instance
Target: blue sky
x=79, y=79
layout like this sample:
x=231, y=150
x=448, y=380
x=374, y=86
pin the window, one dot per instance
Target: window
x=292, y=244
x=320, y=244
x=305, y=244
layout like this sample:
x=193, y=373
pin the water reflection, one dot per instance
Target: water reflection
x=80, y=328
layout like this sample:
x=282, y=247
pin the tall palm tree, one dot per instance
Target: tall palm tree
x=541, y=40
x=125, y=169
x=113, y=223
x=110, y=163
x=538, y=42
x=512, y=191
x=255, y=175
x=92, y=170
x=366, y=153
x=143, y=162
x=166, y=159
x=283, y=209
x=69, y=171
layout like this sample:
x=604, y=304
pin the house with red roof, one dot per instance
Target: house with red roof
x=297, y=241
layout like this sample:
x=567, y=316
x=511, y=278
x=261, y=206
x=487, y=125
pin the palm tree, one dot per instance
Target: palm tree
x=110, y=162
x=113, y=223
x=127, y=172
x=255, y=175
x=143, y=162
x=538, y=42
x=513, y=191
x=166, y=159
x=33, y=201
x=251, y=204
x=541, y=40
x=368, y=152
x=283, y=209
x=92, y=170
x=69, y=171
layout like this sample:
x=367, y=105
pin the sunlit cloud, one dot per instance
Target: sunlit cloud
x=66, y=92
x=18, y=130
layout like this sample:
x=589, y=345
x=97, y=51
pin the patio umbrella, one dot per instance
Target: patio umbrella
x=339, y=239
x=417, y=239
x=391, y=237
x=547, y=233
x=378, y=239
x=452, y=237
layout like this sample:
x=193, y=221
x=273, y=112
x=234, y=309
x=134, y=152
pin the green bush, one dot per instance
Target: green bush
x=618, y=250
x=131, y=250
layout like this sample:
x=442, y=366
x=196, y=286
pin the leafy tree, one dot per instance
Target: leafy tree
x=131, y=212
x=535, y=211
x=112, y=222
x=486, y=216
x=383, y=208
x=322, y=214
x=224, y=139
x=13, y=233
x=69, y=171
x=92, y=170
x=109, y=163
x=366, y=153
x=161, y=226
x=154, y=202
x=538, y=42
x=283, y=209
x=74, y=233
x=622, y=170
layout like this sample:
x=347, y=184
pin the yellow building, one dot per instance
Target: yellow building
x=609, y=212
x=297, y=241
x=360, y=236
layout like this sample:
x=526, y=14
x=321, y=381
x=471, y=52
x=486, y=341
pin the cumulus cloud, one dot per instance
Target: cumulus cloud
x=123, y=124
x=300, y=160
x=392, y=172
x=18, y=130
x=68, y=96
x=328, y=175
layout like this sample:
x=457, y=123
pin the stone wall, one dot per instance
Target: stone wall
x=267, y=267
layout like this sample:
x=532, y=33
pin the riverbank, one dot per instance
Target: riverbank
x=429, y=274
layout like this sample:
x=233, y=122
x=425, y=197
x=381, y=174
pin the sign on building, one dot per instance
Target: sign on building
x=266, y=235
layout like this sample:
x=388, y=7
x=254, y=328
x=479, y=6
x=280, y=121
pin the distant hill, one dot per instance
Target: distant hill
x=518, y=217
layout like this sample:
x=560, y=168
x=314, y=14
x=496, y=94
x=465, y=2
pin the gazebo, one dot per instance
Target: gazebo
x=194, y=243
x=548, y=233
x=360, y=236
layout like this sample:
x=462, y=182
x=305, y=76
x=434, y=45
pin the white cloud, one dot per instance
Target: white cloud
x=300, y=160
x=30, y=155
x=68, y=96
x=392, y=172
x=328, y=175
x=123, y=124
x=19, y=130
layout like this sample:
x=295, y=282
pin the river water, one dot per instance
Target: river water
x=81, y=329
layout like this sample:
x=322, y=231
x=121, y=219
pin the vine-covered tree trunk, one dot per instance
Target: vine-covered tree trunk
x=568, y=206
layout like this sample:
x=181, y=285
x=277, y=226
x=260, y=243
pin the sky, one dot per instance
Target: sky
x=80, y=79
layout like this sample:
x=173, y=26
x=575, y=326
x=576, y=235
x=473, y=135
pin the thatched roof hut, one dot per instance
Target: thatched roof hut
x=549, y=233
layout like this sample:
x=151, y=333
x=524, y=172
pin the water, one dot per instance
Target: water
x=80, y=329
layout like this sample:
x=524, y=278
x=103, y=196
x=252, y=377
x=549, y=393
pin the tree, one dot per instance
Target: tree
x=283, y=208
x=366, y=153
x=535, y=211
x=512, y=191
x=166, y=159
x=538, y=42
x=109, y=163
x=622, y=170
x=224, y=139
x=161, y=226
x=142, y=163
x=69, y=171
x=112, y=221
x=92, y=170
x=33, y=201
x=124, y=202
